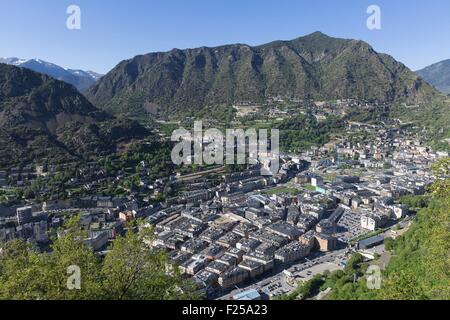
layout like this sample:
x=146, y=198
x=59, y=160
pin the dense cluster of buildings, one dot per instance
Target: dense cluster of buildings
x=233, y=232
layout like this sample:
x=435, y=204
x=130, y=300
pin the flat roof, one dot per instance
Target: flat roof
x=252, y=294
x=371, y=241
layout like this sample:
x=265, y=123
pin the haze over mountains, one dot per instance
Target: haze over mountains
x=82, y=80
x=438, y=75
x=182, y=82
x=44, y=118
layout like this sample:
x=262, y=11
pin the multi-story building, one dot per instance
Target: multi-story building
x=24, y=215
x=292, y=252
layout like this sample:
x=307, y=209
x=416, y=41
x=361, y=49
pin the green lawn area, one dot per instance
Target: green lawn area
x=309, y=187
x=279, y=190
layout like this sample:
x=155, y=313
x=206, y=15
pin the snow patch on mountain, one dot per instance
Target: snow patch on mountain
x=81, y=79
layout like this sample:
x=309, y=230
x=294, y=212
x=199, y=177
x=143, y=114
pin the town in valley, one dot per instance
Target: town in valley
x=237, y=234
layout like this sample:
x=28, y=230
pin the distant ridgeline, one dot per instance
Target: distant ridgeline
x=203, y=81
x=438, y=75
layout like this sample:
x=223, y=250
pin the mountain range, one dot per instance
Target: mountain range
x=44, y=118
x=438, y=75
x=82, y=80
x=186, y=82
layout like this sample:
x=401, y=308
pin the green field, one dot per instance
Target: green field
x=309, y=187
x=278, y=190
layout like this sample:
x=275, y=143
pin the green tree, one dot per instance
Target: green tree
x=389, y=244
x=27, y=274
x=130, y=270
x=133, y=271
x=420, y=268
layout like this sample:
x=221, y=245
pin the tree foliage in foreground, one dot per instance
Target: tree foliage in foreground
x=420, y=266
x=129, y=271
x=305, y=290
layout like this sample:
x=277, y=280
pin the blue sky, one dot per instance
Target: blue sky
x=413, y=31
